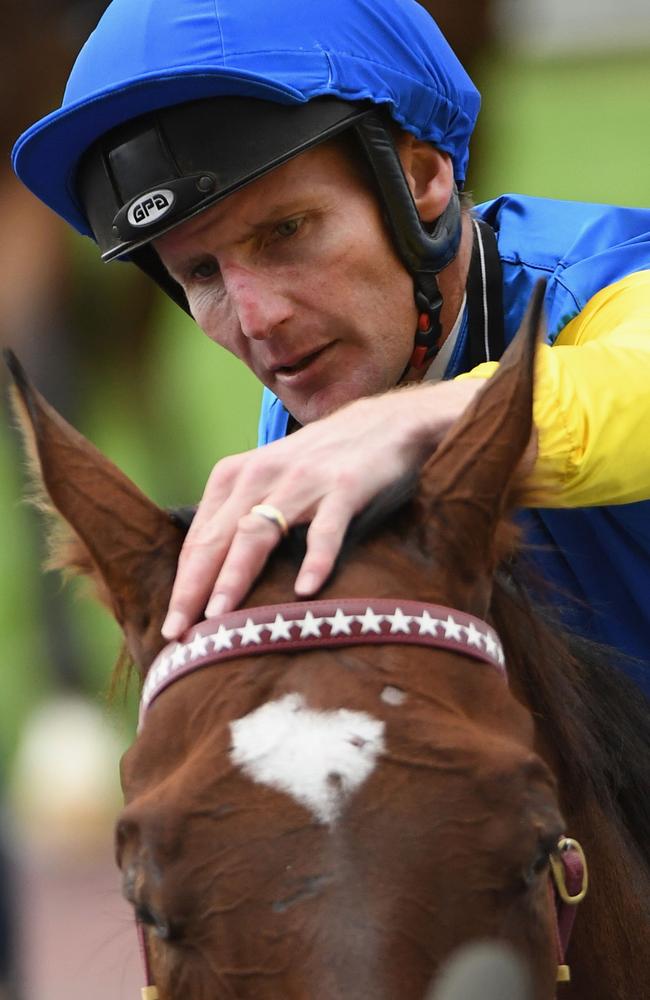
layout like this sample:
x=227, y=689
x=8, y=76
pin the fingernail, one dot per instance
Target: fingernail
x=306, y=584
x=175, y=623
x=216, y=606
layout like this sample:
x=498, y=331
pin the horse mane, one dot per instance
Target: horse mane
x=594, y=719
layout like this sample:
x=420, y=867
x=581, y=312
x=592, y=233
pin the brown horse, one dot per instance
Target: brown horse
x=334, y=822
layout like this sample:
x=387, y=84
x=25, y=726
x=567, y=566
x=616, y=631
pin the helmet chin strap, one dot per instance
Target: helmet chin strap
x=423, y=251
x=428, y=299
x=428, y=332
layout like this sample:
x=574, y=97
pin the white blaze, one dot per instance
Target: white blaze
x=319, y=758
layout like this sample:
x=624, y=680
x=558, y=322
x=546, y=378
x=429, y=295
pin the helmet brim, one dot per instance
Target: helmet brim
x=62, y=137
x=144, y=178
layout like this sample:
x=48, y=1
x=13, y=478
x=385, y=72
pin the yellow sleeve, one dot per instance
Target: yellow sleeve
x=592, y=402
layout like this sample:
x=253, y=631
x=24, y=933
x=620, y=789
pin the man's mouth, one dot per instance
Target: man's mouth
x=300, y=365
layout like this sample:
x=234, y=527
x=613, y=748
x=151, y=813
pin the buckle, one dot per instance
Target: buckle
x=559, y=867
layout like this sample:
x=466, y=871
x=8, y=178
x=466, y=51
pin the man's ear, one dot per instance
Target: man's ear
x=429, y=174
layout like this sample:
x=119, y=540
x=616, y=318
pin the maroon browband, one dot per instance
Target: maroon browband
x=317, y=625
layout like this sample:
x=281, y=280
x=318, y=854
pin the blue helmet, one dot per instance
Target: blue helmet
x=174, y=104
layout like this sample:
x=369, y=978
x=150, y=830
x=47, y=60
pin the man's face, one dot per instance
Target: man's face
x=295, y=274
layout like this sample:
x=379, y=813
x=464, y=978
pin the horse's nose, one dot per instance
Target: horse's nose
x=143, y=879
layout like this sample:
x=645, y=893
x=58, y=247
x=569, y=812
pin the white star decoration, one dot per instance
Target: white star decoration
x=474, y=637
x=491, y=646
x=250, y=633
x=399, y=622
x=452, y=628
x=340, y=623
x=426, y=624
x=198, y=646
x=179, y=655
x=370, y=622
x=280, y=629
x=310, y=626
x=222, y=638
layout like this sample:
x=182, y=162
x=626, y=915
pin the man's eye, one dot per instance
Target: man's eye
x=205, y=269
x=288, y=228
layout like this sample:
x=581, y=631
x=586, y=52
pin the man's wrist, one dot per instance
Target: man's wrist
x=430, y=411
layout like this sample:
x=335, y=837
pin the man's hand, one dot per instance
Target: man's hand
x=323, y=475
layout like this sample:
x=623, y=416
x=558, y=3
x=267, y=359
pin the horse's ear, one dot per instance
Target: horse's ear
x=470, y=482
x=121, y=535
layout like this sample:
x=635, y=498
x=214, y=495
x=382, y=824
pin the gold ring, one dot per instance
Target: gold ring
x=273, y=515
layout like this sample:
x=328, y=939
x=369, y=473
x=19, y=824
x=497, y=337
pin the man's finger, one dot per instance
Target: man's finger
x=324, y=539
x=218, y=488
x=254, y=540
x=208, y=540
x=194, y=581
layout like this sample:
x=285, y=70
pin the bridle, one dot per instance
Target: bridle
x=297, y=626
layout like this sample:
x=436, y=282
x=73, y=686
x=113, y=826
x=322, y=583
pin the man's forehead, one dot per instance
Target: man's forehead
x=267, y=196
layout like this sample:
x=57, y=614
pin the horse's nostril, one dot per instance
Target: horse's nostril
x=142, y=890
x=160, y=925
x=146, y=881
x=144, y=915
x=148, y=910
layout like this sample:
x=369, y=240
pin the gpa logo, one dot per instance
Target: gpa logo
x=150, y=207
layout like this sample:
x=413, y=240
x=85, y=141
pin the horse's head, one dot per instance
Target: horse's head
x=331, y=823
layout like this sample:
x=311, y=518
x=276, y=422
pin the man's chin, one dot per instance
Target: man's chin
x=320, y=400
x=320, y=404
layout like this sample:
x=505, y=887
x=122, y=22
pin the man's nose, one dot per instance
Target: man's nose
x=261, y=306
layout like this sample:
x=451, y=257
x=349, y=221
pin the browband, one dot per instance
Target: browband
x=305, y=625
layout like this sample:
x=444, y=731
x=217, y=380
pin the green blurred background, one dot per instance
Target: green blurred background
x=572, y=127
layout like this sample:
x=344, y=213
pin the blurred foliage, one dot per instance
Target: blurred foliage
x=573, y=129
x=562, y=128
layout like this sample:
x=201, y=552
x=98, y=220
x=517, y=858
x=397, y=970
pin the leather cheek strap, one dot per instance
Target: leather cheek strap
x=424, y=252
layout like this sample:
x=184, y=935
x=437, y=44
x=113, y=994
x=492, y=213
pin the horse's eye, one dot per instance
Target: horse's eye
x=540, y=864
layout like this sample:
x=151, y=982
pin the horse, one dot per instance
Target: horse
x=308, y=818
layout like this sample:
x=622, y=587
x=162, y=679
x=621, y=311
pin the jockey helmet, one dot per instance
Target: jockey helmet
x=172, y=106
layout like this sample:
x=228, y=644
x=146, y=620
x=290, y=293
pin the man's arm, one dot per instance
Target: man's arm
x=592, y=403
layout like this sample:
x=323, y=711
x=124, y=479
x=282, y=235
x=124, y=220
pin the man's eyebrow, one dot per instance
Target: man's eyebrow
x=274, y=213
x=281, y=210
x=286, y=205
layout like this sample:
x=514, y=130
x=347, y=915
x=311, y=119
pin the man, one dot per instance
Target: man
x=294, y=185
